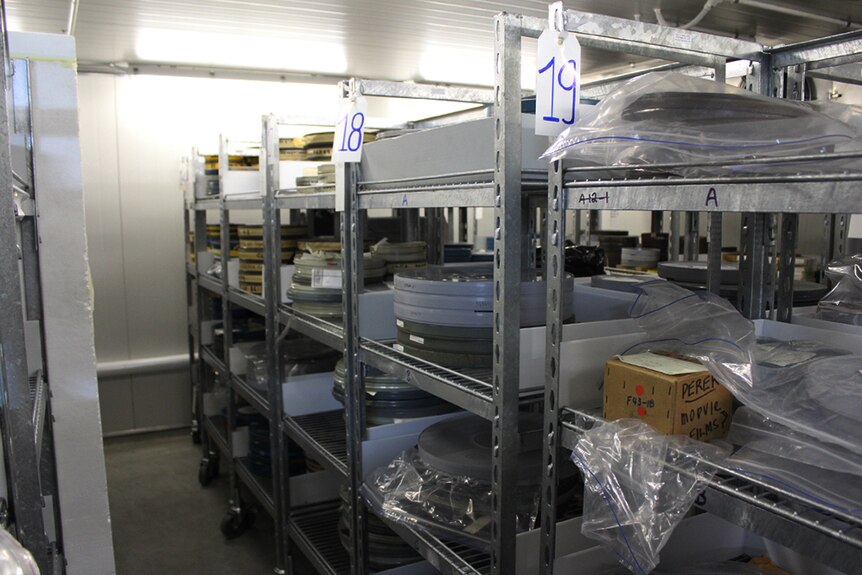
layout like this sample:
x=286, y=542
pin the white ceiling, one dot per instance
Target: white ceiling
x=432, y=40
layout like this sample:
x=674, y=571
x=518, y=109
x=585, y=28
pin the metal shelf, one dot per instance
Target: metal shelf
x=210, y=358
x=440, y=192
x=314, y=529
x=260, y=487
x=782, y=515
x=448, y=557
x=792, y=194
x=216, y=433
x=208, y=204
x=191, y=270
x=479, y=194
x=308, y=200
x=254, y=398
x=244, y=203
x=325, y=332
x=468, y=389
x=210, y=284
x=251, y=302
x=323, y=435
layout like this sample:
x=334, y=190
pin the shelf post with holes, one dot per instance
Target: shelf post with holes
x=274, y=368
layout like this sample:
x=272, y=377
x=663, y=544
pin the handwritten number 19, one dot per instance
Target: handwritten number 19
x=347, y=140
x=557, y=80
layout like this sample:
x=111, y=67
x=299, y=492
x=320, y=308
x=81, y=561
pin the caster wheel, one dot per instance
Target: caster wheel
x=235, y=524
x=208, y=470
x=204, y=476
x=196, y=436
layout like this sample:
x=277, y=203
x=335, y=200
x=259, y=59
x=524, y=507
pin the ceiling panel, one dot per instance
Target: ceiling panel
x=440, y=40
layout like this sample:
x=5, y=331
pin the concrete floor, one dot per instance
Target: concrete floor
x=165, y=523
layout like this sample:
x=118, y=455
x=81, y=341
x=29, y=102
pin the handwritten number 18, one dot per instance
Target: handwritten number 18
x=347, y=141
x=557, y=80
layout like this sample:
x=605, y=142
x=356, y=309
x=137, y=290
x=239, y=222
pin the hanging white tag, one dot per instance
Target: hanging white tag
x=350, y=130
x=558, y=82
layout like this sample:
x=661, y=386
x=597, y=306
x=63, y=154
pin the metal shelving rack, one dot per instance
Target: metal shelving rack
x=308, y=528
x=781, y=515
x=270, y=494
x=493, y=394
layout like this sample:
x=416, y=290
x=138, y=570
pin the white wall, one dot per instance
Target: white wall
x=134, y=131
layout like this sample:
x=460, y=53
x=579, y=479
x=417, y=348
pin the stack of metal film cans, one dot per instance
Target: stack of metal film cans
x=445, y=314
x=318, y=146
x=613, y=242
x=320, y=244
x=291, y=149
x=389, y=399
x=251, y=254
x=386, y=550
x=214, y=240
x=322, y=177
x=326, y=174
x=401, y=256
x=316, y=288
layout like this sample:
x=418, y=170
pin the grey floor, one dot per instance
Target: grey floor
x=165, y=523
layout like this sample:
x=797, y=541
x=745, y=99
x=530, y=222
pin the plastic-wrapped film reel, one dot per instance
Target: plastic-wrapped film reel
x=325, y=302
x=374, y=268
x=386, y=550
x=444, y=484
x=628, y=284
x=320, y=246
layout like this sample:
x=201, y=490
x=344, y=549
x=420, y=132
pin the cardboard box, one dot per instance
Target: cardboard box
x=674, y=396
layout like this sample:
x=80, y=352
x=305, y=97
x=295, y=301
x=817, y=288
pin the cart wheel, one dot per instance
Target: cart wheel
x=212, y=465
x=208, y=469
x=248, y=518
x=196, y=435
x=235, y=524
x=204, y=476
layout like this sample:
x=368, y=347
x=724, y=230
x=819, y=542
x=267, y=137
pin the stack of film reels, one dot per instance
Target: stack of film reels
x=386, y=550
x=251, y=254
x=389, y=399
x=401, y=256
x=316, y=288
x=291, y=149
x=318, y=146
x=445, y=314
x=214, y=239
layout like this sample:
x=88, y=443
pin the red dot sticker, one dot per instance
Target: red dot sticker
x=639, y=389
x=642, y=412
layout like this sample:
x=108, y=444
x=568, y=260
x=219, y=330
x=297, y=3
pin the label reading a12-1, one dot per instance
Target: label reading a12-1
x=558, y=79
x=350, y=130
x=593, y=198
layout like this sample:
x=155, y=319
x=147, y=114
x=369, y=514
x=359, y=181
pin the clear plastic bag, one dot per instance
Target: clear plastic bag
x=818, y=471
x=14, y=558
x=724, y=568
x=410, y=492
x=844, y=303
x=671, y=118
x=807, y=386
x=639, y=484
